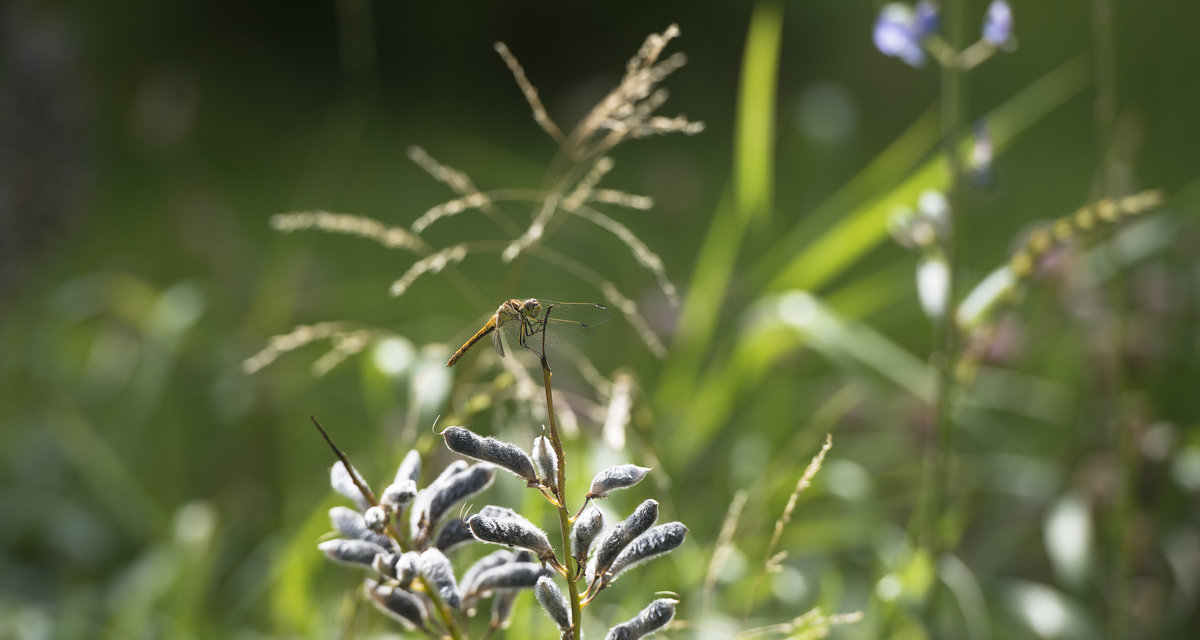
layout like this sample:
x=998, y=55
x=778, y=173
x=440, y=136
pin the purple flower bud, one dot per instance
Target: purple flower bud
x=897, y=34
x=437, y=570
x=998, y=24
x=351, y=552
x=397, y=604
x=512, y=533
x=619, y=477
x=651, y=619
x=552, y=600
x=926, y=20
x=500, y=453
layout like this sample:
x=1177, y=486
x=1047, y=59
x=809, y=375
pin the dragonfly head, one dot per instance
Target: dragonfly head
x=531, y=307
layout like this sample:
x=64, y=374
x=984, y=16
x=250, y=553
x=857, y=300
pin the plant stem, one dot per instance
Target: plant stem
x=564, y=514
x=946, y=336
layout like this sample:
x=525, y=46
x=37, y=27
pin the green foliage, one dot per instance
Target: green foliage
x=150, y=488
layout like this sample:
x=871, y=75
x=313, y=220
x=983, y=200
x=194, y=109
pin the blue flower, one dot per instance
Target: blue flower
x=899, y=31
x=998, y=24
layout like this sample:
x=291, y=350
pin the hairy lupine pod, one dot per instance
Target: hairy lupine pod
x=375, y=518
x=341, y=482
x=453, y=534
x=494, y=511
x=490, y=561
x=500, y=453
x=398, y=494
x=351, y=524
x=649, y=620
x=552, y=600
x=351, y=552
x=407, y=567
x=546, y=462
x=512, y=575
x=583, y=533
x=502, y=608
x=437, y=570
x=659, y=540
x=419, y=512
x=385, y=564
x=642, y=518
x=397, y=604
x=410, y=468
x=621, y=476
x=457, y=488
x=512, y=533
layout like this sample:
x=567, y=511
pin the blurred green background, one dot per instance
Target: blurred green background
x=150, y=489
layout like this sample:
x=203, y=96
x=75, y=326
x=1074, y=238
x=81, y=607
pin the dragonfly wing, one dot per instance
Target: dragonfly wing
x=498, y=342
x=586, y=313
x=563, y=332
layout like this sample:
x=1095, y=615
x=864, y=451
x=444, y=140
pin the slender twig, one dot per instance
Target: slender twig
x=439, y=605
x=563, y=513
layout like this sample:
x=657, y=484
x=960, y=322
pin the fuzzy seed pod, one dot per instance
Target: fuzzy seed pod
x=546, y=462
x=621, y=476
x=420, y=506
x=497, y=452
x=410, y=468
x=407, y=567
x=437, y=570
x=398, y=494
x=375, y=518
x=659, y=540
x=397, y=604
x=351, y=552
x=513, y=575
x=502, y=608
x=453, y=534
x=457, y=488
x=552, y=600
x=351, y=524
x=385, y=564
x=341, y=482
x=490, y=561
x=651, y=619
x=621, y=535
x=512, y=533
x=587, y=526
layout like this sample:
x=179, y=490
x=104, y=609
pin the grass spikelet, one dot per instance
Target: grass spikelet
x=771, y=560
x=299, y=336
x=540, y=115
x=433, y=263
x=584, y=187
x=351, y=225
x=621, y=199
x=642, y=253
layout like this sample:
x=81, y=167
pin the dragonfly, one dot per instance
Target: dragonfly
x=526, y=322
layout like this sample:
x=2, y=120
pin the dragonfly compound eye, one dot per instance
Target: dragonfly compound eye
x=532, y=305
